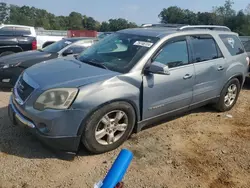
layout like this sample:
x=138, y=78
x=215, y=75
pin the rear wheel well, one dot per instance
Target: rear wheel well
x=240, y=78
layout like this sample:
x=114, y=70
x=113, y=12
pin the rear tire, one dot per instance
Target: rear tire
x=229, y=95
x=108, y=127
x=6, y=53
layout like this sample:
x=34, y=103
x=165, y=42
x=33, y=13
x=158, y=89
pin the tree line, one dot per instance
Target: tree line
x=222, y=15
x=31, y=16
x=238, y=21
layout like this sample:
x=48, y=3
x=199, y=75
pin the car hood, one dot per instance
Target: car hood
x=67, y=72
x=23, y=56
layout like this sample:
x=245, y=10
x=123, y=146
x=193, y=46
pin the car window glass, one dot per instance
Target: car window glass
x=57, y=46
x=76, y=49
x=204, y=48
x=174, y=54
x=22, y=31
x=233, y=44
x=247, y=46
x=7, y=31
x=115, y=46
x=86, y=44
x=118, y=52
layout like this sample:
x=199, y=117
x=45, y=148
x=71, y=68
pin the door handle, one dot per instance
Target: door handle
x=187, y=76
x=220, y=68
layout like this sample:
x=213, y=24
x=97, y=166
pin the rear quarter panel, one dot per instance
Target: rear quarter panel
x=235, y=65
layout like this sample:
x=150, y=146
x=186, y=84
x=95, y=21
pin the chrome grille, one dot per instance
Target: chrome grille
x=23, y=89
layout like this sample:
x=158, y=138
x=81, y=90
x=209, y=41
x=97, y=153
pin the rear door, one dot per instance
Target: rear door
x=209, y=65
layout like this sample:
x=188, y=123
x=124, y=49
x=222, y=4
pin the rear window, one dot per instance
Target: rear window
x=233, y=44
x=20, y=31
x=7, y=31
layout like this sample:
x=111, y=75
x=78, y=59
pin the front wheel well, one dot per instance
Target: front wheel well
x=81, y=128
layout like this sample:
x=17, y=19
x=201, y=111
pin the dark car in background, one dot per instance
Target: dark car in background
x=11, y=66
x=17, y=38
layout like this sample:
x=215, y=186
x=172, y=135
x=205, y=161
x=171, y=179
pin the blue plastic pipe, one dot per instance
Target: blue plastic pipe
x=118, y=169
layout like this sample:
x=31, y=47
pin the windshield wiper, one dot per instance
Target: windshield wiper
x=93, y=62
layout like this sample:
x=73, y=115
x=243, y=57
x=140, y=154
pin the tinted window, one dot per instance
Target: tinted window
x=174, y=54
x=7, y=31
x=77, y=49
x=86, y=44
x=233, y=44
x=22, y=31
x=204, y=48
x=57, y=46
x=247, y=46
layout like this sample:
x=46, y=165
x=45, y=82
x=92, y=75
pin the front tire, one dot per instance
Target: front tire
x=108, y=127
x=229, y=95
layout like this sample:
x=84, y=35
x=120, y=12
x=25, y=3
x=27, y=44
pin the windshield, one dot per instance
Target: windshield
x=118, y=52
x=57, y=46
x=103, y=35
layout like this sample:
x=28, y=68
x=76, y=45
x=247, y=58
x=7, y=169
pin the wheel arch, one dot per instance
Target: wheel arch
x=240, y=77
x=137, y=113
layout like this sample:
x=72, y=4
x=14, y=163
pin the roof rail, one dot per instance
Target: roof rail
x=163, y=25
x=211, y=27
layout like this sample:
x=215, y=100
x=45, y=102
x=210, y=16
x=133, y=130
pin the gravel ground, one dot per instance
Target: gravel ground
x=199, y=149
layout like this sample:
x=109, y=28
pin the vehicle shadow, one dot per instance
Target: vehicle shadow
x=5, y=89
x=162, y=120
x=247, y=84
x=17, y=141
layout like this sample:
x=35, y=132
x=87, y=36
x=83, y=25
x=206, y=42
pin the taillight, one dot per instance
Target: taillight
x=34, y=45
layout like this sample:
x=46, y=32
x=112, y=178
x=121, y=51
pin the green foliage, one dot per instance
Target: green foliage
x=4, y=10
x=31, y=16
x=222, y=15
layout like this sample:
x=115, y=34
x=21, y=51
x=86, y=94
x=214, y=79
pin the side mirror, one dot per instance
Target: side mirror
x=157, y=68
x=67, y=52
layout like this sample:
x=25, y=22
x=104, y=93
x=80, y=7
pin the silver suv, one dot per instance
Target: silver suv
x=127, y=80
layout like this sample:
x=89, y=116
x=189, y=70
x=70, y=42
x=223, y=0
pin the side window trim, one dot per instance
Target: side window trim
x=218, y=50
x=175, y=39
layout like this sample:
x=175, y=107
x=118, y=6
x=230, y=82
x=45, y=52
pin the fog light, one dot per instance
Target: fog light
x=42, y=128
x=5, y=80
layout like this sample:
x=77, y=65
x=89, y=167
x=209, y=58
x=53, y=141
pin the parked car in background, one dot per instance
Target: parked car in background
x=126, y=81
x=104, y=34
x=18, y=38
x=11, y=66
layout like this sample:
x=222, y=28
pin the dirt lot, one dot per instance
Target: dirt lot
x=200, y=149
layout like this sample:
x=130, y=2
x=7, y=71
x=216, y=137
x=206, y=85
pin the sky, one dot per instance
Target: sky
x=138, y=11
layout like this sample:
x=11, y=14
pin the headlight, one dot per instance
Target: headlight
x=10, y=65
x=60, y=98
x=6, y=66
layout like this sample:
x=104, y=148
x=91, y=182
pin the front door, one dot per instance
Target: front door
x=164, y=94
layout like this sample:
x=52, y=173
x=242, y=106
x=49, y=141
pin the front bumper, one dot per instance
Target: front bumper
x=8, y=77
x=62, y=143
